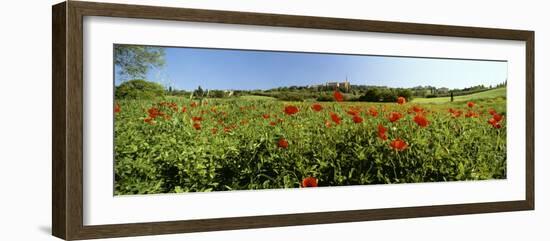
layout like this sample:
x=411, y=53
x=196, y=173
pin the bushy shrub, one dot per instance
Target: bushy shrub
x=290, y=97
x=371, y=95
x=325, y=98
x=216, y=94
x=139, y=89
x=385, y=95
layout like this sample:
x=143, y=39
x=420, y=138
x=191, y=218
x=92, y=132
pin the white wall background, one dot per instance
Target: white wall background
x=25, y=119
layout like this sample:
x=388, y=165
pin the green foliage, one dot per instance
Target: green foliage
x=325, y=97
x=133, y=61
x=199, y=92
x=139, y=89
x=236, y=145
x=291, y=97
x=385, y=95
x=217, y=94
x=372, y=95
x=288, y=95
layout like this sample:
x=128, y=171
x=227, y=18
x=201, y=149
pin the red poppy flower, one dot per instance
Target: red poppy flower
x=194, y=104
x=273, y=123
x=148, y=120
x=494, y=123
x=117, y=108
x=398, y=144
x=357, y=119
x=184, y=109
x=154, y=113
x=291, y=110
x=471, y=104
x=373, y=111
x=317, y=107
x=197, y=126
x=227, y=129
x=421, y=120
x=265, y=116
x=401, y=100
x=492, y=111
x=382, y=132
x=171, y=105
x=417, y=109
x=497, y=117
x=309, y=182
x=197, y=118
x=455, y=113
x=470, y=114
x=395, y=116
x=495, y=120
x=338, y=96
x=282, y=143
x=353, y=112
x=335, y=118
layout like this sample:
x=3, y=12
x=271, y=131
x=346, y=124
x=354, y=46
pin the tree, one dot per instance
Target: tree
x=407, y=93
x=217, y=94
x=372, y=95
x=134, y=61
x=199, y=92
x=138, y=89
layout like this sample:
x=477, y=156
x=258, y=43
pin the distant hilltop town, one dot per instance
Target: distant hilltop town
x=334, y=84
x=344, y=84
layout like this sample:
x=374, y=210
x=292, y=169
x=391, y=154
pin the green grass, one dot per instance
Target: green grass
x=189, y=145
x=256, y=97
x=490, y=94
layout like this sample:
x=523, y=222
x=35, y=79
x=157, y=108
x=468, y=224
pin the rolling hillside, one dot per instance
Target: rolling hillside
x=500, y=92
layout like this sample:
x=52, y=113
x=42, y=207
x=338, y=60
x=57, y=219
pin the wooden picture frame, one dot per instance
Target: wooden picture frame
x=67, y=123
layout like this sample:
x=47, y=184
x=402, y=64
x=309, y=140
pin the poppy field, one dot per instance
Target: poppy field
x=175, y=144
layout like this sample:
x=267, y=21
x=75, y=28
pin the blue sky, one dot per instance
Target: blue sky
x=187, y=68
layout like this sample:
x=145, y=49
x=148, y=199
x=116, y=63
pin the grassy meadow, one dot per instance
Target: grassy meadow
x=177, y=144
x=489, y=94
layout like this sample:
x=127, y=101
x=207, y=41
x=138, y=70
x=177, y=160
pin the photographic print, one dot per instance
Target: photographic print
x=204, y=119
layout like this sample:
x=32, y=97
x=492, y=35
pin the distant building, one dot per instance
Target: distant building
x=345, y=84
x=443, y=90
x=333, y=85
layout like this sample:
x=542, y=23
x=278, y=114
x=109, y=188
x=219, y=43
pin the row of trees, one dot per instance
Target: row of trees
x=431, y=91
x=142, y=89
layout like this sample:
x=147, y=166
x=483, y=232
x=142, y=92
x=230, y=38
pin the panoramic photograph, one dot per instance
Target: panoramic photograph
x=206, y=120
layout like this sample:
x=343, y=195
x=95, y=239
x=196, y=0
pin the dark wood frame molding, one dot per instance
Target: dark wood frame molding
x=67, y=120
